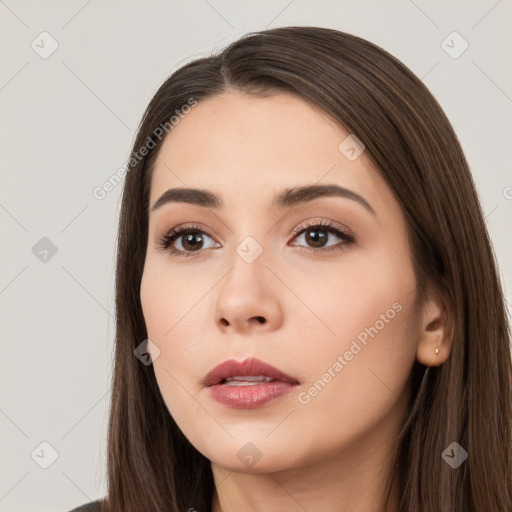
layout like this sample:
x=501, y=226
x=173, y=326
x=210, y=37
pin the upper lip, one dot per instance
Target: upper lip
x=247, y=367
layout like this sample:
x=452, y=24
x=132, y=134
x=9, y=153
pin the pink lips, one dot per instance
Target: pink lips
x=227, y=385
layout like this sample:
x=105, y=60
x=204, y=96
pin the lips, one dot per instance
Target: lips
x=246, y=373
x=248, y=384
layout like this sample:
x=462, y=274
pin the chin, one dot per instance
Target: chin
x=254, y=458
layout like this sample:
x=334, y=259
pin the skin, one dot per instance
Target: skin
x=333, y=453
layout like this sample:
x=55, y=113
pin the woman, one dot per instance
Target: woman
x=309, y=315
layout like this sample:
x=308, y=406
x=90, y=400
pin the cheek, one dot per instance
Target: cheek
x=361, y=369
x=169, y=300
x=359, y=379
x=171, y=305
x=366, y=290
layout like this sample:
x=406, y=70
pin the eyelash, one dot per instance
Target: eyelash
x=166, y=241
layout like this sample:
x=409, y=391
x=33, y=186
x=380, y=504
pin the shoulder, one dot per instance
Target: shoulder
x=93, y=506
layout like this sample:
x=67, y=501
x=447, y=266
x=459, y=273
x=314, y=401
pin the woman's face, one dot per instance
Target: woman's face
x=333, y=306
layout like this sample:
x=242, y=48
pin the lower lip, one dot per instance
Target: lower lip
x=249, y=397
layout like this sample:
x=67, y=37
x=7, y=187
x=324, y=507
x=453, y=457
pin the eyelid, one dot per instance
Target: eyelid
x=315, y=222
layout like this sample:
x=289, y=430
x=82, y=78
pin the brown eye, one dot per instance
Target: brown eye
x=192, y=241
x=317, y=237
x=185, y=240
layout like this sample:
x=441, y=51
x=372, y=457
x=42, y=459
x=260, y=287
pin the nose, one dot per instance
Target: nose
x=248, y=300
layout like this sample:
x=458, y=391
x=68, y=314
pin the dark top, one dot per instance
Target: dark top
x=93, y=506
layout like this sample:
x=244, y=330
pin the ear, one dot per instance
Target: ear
x=435, y=336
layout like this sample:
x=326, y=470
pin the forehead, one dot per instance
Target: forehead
x=247, y=148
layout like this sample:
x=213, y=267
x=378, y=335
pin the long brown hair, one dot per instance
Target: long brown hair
x=151, y=464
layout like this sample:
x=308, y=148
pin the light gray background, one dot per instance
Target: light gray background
x=67, y=125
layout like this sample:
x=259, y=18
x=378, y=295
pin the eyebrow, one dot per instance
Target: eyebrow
x=286, y=198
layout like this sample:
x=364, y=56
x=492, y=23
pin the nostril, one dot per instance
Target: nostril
x=260, y=319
